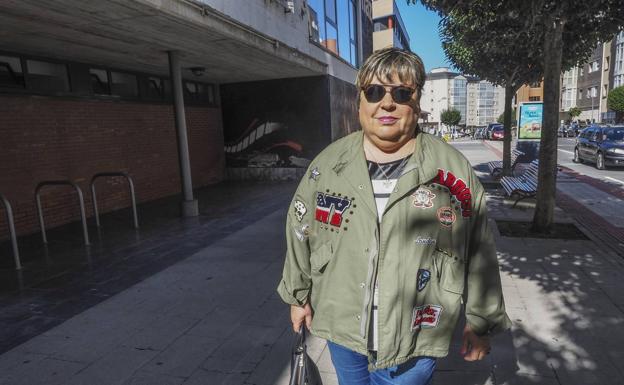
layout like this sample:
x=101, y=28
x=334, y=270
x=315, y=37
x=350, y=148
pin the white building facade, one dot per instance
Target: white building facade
x=479, y=102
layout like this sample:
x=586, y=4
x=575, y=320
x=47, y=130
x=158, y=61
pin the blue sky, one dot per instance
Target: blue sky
x=422, y=28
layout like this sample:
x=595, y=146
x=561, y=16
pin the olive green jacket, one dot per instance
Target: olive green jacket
x=432, y=252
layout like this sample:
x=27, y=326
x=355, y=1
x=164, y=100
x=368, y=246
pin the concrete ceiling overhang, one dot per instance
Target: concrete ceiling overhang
x=136, y=35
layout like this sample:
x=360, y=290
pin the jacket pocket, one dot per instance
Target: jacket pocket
x=320, y=257
x=452, y=271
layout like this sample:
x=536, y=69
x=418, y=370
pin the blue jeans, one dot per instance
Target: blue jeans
x=351, y=368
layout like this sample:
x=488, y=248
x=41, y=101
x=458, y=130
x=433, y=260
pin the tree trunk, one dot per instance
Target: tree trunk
x=509, y=93
x=547, y=176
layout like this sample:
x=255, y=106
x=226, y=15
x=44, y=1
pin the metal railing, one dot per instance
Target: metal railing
x=11, y=224
x=80, y=199
x=132, y=195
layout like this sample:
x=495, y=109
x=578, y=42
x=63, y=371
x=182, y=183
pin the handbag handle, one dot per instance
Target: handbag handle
x=298, y=365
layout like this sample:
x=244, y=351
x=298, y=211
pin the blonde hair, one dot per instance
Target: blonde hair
x=387, y=62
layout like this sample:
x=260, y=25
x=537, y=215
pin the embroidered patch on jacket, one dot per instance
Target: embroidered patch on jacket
x=458, y=189
x=302, y=232
x=446, y=216
x=426, y=316
x=422, y=278
x=425, y=241
x=423, y=198
x=314, y=173
x=300, y=210
x=329, y=208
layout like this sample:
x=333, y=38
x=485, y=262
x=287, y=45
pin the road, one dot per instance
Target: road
x=566, y=153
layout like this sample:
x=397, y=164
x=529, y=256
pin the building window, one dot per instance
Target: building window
x=605, y=90
x=201, y=93
x=11, y=74
x=594, y=92
x=534, y=85
x=534, y=98
x=380, y=24
x=580, y=95
x=124, y=85
x=606, y=63
x=99, y=81
x=155, y=88
x=333, y=24
x=47, y=77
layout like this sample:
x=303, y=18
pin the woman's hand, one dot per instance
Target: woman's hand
x=300, y=313
x=474, y=348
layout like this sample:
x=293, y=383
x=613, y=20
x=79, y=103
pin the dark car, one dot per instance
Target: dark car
x=490, y=128
x=498, y=133
x=602, y=145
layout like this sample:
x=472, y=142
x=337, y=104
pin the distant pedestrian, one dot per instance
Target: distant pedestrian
x=388, y=240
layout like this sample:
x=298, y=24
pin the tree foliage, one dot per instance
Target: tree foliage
x=616, y=99
x=616, y=102
x=501, y=117
x=574, y=112
x=450, y=117
x=558, y=35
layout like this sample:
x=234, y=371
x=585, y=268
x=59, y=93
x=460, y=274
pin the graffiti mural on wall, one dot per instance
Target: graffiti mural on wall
x=275, y=123
x=285, y=122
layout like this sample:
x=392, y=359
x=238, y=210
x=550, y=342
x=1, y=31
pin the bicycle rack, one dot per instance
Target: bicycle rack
x=132, y=195
x=80, y=200
x=11, y=223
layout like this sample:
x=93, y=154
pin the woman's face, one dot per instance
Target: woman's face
x=388, y=124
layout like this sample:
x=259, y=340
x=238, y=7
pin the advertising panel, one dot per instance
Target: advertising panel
x=530, y=120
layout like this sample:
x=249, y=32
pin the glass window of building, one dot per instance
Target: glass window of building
x=11, y=74
x=333, y=24
x=99, y=81
x=124, y=85
x=202, y=93
x=47, y=77
x=317, y=20
x=155, y=88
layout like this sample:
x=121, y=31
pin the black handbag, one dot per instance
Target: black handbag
x=303, y=370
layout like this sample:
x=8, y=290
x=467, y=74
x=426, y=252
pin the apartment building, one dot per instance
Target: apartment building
x=389, y=28
x=479, y=101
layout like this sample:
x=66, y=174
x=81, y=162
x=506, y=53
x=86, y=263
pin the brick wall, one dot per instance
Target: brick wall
x=45, y=138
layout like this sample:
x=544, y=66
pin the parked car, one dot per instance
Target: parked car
x=490, y=127
x=565, y=132
x=498, y=133
x=601, y=145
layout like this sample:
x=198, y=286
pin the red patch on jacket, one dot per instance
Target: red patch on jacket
x=426, y=316
x=458, y=189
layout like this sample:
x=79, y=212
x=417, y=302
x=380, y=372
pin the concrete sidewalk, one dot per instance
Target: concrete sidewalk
x=214, y=318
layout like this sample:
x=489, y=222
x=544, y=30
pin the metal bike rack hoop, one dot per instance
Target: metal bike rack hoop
x=11, y=224
x=132, y=195
x=83, y=216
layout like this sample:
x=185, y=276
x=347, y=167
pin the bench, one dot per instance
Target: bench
x=524, y=186
x=496, y=167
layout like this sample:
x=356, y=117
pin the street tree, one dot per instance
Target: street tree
x=562, y=33
x=483, y=41
x=501, y=117
x=616, y=102
x=450, y=117
x=574, y=112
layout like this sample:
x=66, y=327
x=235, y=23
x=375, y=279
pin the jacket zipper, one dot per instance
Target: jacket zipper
x=369, y=277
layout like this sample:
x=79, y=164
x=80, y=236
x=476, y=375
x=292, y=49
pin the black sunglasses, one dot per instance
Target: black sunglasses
x=400, y=94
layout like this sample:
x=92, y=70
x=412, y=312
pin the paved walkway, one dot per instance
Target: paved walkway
x=214, y=318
